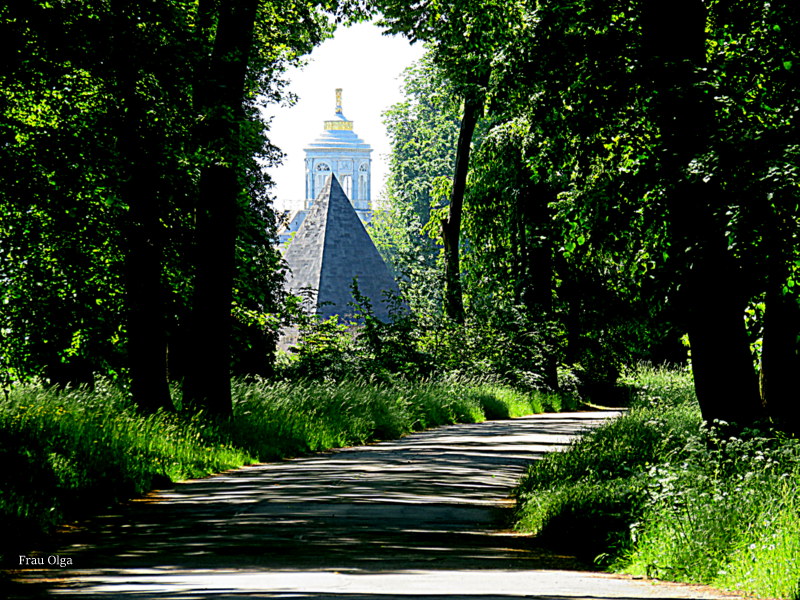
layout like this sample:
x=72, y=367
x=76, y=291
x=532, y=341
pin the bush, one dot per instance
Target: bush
x=502, y=345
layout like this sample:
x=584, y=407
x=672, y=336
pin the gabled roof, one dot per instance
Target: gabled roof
x=330, y=249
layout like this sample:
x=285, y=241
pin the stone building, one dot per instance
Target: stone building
x=330, y=250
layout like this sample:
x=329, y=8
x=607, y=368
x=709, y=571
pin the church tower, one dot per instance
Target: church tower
x=339, y=151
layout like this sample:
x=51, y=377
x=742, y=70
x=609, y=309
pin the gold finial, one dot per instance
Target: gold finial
x=338, y=101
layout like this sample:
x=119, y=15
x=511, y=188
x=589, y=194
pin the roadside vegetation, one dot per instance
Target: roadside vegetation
x=70, y=451
x=660, y=493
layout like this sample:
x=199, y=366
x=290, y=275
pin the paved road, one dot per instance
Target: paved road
x=422, y=517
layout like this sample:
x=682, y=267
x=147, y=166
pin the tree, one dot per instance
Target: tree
x=649, y=131
x=115, y=112
x=462, y=36
x=61, y=262
x=247, y=43
x=223, y=87
x=423, y=130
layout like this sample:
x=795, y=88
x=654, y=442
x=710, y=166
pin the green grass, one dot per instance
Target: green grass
x=70, y=452
x=725, y=513
x=658, y=493
x=67, y=452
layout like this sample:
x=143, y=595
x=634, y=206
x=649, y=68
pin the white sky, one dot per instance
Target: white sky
x=368, y=67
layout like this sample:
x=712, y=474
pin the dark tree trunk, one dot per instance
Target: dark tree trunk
x=147, y=343
x=539, y=270
x=780, y=362
x=712, y=299
x=569, y=295
x=451, y=227
x=519, y=257
x=725, y=380
x=140, y=190
x=541, y=265
x=207, y=382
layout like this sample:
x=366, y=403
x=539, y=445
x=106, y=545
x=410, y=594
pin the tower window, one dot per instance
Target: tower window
x=347, y=185
x=362, y=187
x=323, y=167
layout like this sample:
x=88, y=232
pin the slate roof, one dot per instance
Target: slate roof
x=330, y=249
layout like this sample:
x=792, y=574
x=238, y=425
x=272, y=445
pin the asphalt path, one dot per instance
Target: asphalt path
x=421, y=517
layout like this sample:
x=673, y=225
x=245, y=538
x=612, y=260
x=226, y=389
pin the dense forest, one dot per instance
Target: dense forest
x=574, y=186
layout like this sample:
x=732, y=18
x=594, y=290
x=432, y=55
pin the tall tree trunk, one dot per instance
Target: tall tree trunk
x=140, y=190
x=207, y=382
x=540, y=269
x=147, y=342
x=451, y=226
x=712, y=298
x=780, y=361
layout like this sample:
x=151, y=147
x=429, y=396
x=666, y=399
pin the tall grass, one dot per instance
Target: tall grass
x=276, y=419
x=67, y=452
x=659, y=493
x=595, y=491
x=725, y=512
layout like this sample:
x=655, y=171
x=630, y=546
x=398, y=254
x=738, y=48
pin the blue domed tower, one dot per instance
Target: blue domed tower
x=339, y=151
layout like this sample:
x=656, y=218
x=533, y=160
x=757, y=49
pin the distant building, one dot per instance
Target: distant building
x=337, y=151
x=330, y=250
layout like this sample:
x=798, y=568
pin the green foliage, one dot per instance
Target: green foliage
x=104, y=119
x=271, y=420
x=423, y=130
x=595, y=490
x=597, y=486
x=724, y=512
x=69, y=452
x=659, y=388
x=501, y=344
x=523, y=287
x=501, y=347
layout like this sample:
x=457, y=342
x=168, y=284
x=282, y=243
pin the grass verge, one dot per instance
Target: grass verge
x=659, y=493
x=66, y=453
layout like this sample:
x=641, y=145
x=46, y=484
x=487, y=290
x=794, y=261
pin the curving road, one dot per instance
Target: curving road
x=421, y=517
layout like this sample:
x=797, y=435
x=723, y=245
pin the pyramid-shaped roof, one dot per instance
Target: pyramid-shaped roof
x=330, y=249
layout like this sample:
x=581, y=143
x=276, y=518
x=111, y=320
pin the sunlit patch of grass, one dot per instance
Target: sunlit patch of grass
x=766, y=561
x=69, y=451
x=595, y=490
x=725, y=513
x=276, y=419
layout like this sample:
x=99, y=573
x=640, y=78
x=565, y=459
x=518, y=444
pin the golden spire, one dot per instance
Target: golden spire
x=341, y=123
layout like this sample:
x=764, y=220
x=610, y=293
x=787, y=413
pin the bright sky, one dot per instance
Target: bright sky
x=368, y=67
